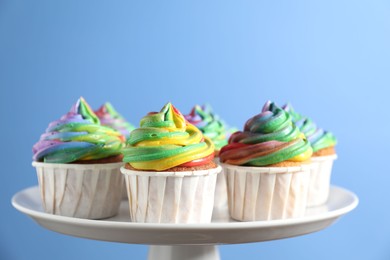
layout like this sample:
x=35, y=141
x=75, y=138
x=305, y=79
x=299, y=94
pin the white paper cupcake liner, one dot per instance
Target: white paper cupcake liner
x=91, y=191
x=171, y=197
x=320, y=179
x=267, y=193
x=220, y=197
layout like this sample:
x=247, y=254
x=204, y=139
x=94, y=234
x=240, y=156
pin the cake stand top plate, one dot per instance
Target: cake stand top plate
x=222, y=230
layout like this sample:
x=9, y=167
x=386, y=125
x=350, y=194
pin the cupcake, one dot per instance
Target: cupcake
x=267, y=167
x=170, y=174
x=78, y=165
x=215, y=129
x=108, y=116
x=324, y=153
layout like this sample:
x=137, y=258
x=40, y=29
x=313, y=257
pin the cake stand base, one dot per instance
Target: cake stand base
x=206, y=252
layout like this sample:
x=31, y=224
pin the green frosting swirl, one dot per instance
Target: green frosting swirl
x=318, y=138
x=77, y=136
x=268, y=138
x=210, y=125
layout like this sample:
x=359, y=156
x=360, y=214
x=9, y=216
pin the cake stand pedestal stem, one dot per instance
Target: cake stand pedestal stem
x=187, y=252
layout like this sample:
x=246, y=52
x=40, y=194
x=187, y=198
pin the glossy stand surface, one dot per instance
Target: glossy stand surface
x=187, y=241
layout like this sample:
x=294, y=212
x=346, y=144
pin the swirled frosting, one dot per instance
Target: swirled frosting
x=210, y=125
x=77, y=136
x=268, y=138
x=108, y=116
x=318, y=138
x=165, y=140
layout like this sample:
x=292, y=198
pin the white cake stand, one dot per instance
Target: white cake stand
x=187, y=241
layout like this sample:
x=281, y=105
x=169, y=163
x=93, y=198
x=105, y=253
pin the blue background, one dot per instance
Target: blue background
x=331, y=59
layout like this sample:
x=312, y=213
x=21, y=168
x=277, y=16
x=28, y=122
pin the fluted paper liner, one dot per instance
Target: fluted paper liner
x=171, y=197
x=267, y=193
x=320, y=179
x=91, y=191
x=220, y=197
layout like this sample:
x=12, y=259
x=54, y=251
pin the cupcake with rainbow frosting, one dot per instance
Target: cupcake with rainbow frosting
x=78, y=165
x=267, y=167
x=218, y=131
x=323, y=144
x=170, y=174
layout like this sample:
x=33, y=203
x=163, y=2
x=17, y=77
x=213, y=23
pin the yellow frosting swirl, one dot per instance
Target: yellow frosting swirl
x=165, y=140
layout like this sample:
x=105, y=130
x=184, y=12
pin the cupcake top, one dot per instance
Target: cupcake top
x=110, y=117
x=77, y=136
x=268, y=138
x=210, y=125
x=319, y=139
x=166, y=140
